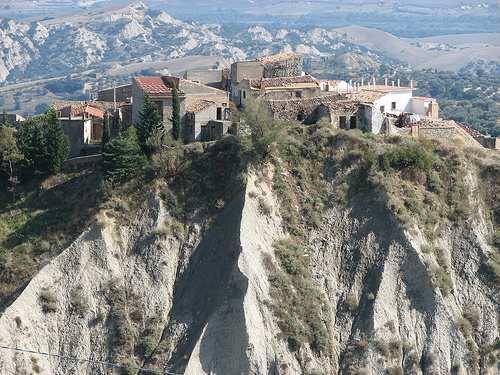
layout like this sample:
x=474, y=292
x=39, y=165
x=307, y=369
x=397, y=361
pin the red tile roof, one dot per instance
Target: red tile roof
x=153, y=86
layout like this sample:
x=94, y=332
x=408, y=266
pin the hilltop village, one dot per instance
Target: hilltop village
x=209, y=100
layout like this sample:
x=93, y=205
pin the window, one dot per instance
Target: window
x=393, y=106
x=244, y=94
x=342, y=122
x=353, y=122
x=219, y=113
x=382, y=108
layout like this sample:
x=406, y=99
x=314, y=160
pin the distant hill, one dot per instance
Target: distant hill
x=450, y=52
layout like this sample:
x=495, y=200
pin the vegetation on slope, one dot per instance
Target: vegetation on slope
x=424, y=184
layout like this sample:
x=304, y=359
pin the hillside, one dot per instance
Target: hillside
x=307, y=250
x=98, y=39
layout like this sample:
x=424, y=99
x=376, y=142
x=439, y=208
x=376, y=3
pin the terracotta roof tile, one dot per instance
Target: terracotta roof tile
x=153, y=86
x=198, y=105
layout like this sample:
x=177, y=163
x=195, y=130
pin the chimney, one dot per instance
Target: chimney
x=411, y=83
x=362, y=81
x=393, y=84
x=374, y=81
x=386, y=81
x=399, y=82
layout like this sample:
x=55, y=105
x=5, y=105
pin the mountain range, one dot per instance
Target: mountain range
x=135, y=34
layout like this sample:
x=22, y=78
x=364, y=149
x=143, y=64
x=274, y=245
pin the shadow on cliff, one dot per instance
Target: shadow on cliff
x=208, y=301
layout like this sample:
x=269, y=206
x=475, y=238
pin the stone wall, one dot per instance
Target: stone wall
x=209, y=77
x=284, y=68
x=123, y=94
x=79, y=133
x=438, y=132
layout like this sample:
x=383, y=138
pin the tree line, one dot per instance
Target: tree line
x=39, y=147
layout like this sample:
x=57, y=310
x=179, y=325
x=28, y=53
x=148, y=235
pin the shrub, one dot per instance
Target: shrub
x=297, y=301
x=465, y=327
x=382, y=348
x=471, y=313
x=79, y=303
x=408, y=156
x=48, y=301
x=493, y=266
x=395, y=348
x=395, y=370
x=264, y=207
x=442, y=279
x=352, y=302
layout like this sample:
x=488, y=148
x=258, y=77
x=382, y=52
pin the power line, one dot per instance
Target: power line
x=102, y=363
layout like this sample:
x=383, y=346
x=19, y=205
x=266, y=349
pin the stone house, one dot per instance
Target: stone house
x=274, y=66
x=159, y=89
x=79, y=133
x=83, y=111
x=199, y=105
x=206, y=120
x=279, y=88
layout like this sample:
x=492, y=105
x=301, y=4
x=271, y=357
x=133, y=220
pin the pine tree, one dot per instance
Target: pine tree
x=106, y=132
x=150, y=123
x=122, y=157
x=31, y=141
x=176, y=114
x=56, y=143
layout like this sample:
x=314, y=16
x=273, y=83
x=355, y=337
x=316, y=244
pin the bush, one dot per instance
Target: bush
x=352, y=302
x=395, y=370
x=408, y=156
x=493, y=266
x=79, y=303
x=48, y=301
x=298, y=304
x=442, y=279
x=382, y=348
x=264, y=207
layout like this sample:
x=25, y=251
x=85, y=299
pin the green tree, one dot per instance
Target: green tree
x=176, y=114
x=56, y=143
x=10, y=156
x=123, y=157
x=106, y=132
x=263, y=132
x=43, y=143
x=150, y=123
x=31, y=142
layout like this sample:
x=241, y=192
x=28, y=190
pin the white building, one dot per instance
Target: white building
x=395, y=100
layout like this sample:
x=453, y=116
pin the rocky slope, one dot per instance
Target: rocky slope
x=135, y=34
x=215, y=295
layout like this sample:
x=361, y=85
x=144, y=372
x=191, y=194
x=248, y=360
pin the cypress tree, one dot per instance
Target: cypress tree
x=56, y=143
x=122, y=157
x=150, y=123
x=176, y=114
x=106, y=132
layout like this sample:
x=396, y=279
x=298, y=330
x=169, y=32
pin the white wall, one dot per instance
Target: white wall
x=402, y=98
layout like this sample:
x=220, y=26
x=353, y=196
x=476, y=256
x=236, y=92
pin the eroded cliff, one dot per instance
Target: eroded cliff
x=300, y=270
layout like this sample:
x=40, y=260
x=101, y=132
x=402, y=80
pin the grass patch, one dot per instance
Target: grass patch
x=297, y=302
x=48, y=301
x=46, y=217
